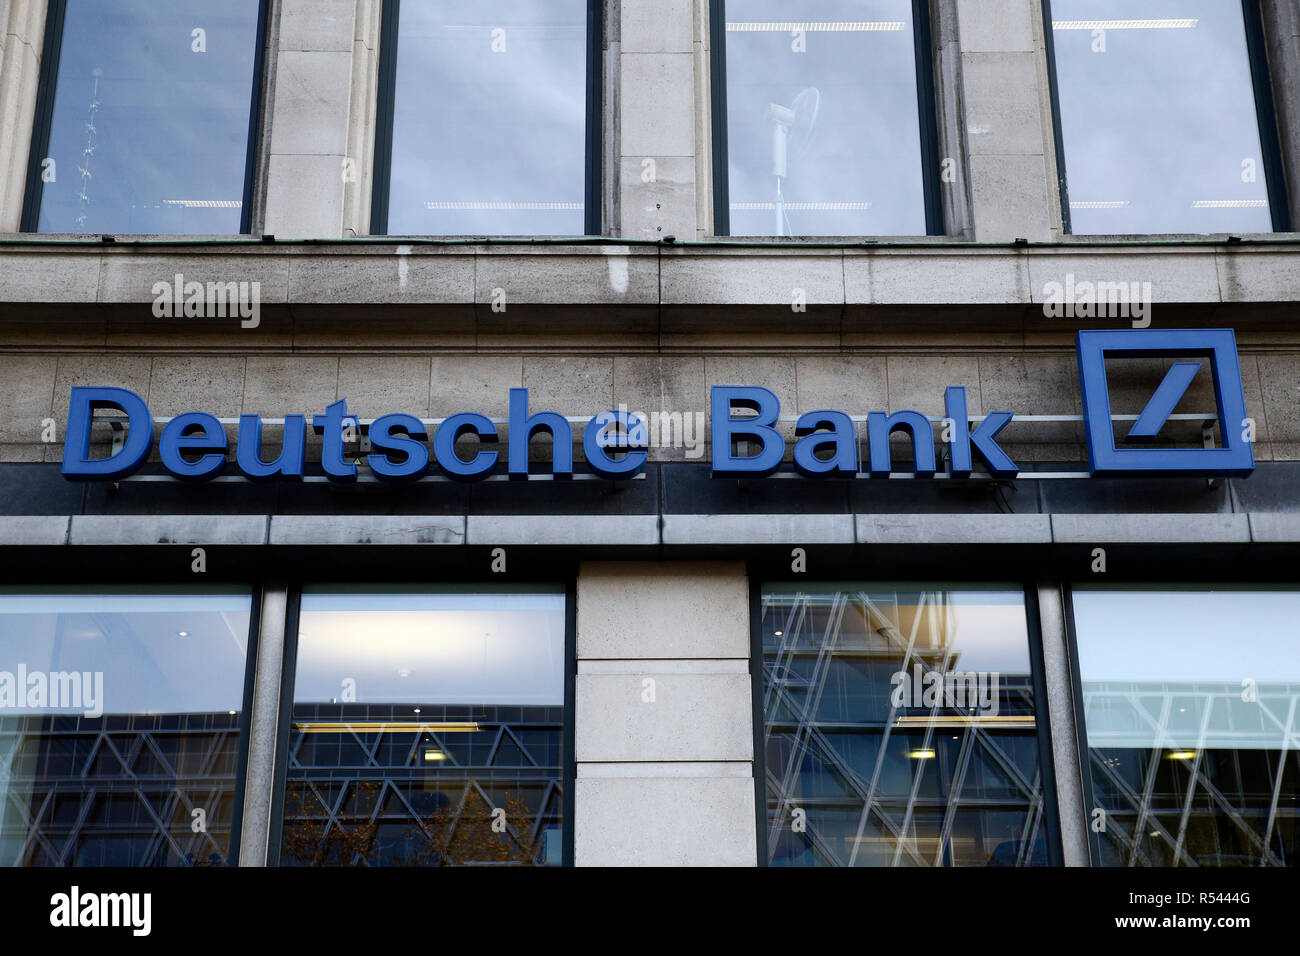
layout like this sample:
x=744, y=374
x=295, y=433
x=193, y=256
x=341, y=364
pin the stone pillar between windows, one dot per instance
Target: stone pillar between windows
x=664, y=735
x=22, y=36
x=322, y=107
x=1008, y=121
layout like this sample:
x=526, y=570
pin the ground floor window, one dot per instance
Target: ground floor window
x=120, y=724
x=427, y=727
x=899, y=727
x=1193, y=737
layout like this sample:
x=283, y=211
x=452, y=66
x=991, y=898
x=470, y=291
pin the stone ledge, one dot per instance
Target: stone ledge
x=167, y=529
x=953, y=529
x=1150, y=528
x=367, y=529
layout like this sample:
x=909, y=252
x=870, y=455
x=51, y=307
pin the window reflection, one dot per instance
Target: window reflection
x=823, y=133
x=900, y=727
x=490, y=113
x=1157, y=117
x=149, y=130
x=119, y=725
x=1190, y=704
x=427, y=728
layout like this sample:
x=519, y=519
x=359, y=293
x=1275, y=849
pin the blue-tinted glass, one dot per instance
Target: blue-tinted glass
x=1157, y=117
x=119, y=725
x=1190, y=704
x=900, y=727
x=419, y=721
x=489, y=118
x=823, y=133
x=150, y=124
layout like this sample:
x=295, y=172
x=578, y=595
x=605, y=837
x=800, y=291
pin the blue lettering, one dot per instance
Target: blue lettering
x=77, y=463
x=726, y=429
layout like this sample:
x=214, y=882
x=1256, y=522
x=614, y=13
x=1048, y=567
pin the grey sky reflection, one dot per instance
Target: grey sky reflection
x=438, y=648
x=1165, y=668
x=478, y=127
x=1160, y=120
x=166, y=652
x=864, y=148
x=170, y=123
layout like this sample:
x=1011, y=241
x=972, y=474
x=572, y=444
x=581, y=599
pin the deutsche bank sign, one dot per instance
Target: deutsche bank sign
x=1219, y=347
x=745, y=438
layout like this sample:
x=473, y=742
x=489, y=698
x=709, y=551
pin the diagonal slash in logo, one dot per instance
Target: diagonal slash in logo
x=1162, y=404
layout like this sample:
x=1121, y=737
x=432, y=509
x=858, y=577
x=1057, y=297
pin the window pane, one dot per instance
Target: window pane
x=418, y=716
x=489, y=124
x=1157, y=117
x=823, y=134
x=119, y=725
x=1193, y=732
x=899, y=727
x=149, y=133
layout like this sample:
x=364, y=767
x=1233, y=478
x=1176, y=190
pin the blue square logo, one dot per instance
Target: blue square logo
x=1235, y=458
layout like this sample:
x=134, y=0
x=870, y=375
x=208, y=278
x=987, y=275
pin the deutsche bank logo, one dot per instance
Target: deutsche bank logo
x=1219, y=347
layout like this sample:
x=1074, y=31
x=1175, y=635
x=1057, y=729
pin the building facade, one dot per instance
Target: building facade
x=375, y=479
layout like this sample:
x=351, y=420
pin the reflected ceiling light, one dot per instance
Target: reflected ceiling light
x=431, y=755
x=1002, y=721
x=778, y=633
x=435, y=204
x=182, y=633
x=920, y=754
x=802, y=206
x=231, y=712
x=1098, y=203
x=1163, y=23
x=385, y=726
x=816, y=26
x=206, y=203
x=1230, y=204
x=1182, y=755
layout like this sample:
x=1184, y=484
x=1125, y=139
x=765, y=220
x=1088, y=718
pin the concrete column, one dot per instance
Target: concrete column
x=664, y=735
x=1068, y=768
x=656, y=47
x=357, y=189
x=1282, y=38
x=321, y=107
x=1012, y=164
x=259, y=784
x=22, y=34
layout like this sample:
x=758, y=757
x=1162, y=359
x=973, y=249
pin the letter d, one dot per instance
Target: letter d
x=77, y=463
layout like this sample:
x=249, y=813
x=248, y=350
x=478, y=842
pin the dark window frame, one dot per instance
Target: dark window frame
x=384, y=120
x=763, y=575
x=927, y=109
x=1270, y=143
x=40, y=143
x=288, y=675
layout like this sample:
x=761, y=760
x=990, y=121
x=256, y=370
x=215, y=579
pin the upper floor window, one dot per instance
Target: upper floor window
x=1164, y=117
x=488, y=119
x=146, y=118
x=823, y=119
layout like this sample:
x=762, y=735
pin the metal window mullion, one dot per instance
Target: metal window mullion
x=264, y=728
x=1067, y=755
